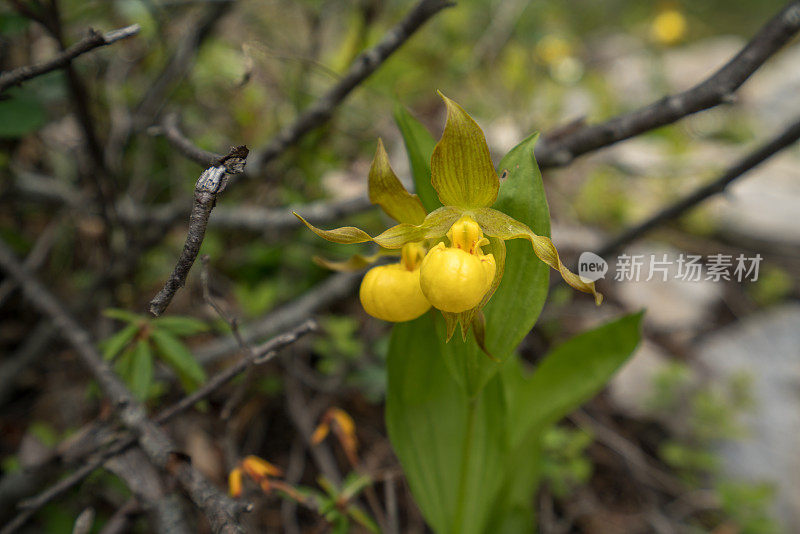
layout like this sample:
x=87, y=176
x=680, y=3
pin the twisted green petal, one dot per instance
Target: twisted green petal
x=497, y=224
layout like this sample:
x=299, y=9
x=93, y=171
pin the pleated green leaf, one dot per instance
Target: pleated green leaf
x=451, y=448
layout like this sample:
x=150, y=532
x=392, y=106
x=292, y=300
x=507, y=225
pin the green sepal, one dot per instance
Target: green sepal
x=450, y=321
x=478, y=323
x=461, y=167
x=386, y=191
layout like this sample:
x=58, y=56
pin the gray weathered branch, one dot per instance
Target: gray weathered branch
x=210, y=184
x=717, y=89
x=94, y=40
x=787, y=138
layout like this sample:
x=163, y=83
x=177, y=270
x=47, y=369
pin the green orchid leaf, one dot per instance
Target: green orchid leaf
x=461, y=168
x=419, y=145
x=452, y=448
x=570, y=374
x=356, y=262
x=141, y=370
x=498, y=224
x=523, y=289
x=386, y=191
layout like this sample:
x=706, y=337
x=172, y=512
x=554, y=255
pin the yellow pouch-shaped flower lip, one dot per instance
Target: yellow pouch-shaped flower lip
x=393, y=293
x=453, y=280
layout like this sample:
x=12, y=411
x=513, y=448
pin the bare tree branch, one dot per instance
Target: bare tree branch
x=145, y=483
x=210, y=184
x=218, y=508
x=749, y=162
x=93, y=40
x=363, y=66
x=717, y=89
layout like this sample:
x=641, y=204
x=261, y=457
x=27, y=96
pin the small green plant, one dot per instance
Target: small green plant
x=710, y=415
x=564, y=462
x=143, y=340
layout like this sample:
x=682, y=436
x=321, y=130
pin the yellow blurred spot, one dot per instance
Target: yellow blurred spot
x=320, y=433
x=552, y=49
x=669, y=27
x=343, y=427
x=235, y=483
x=259, y=469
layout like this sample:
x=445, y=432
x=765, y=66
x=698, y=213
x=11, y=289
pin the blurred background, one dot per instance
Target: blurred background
x=698, y=433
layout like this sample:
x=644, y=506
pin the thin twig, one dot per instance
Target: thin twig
x=715, y=90
x=236, y=398
x=218, y=508
x=119, y=523
x=363, y=66
x=170, y=129
x=93, y=40
x=34, y=259
x=740, y=168
x=144, y=481
x=210, y=184
x=334, y=288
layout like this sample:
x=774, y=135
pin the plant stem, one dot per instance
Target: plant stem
x=465, y=461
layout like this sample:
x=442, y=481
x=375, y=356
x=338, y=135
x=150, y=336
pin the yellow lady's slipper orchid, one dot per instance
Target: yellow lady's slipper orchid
x=455, y=279
x=460, y=279
x=392, y=292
